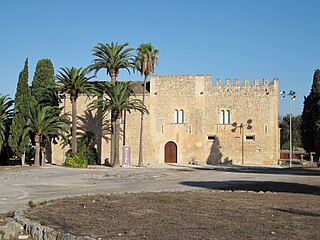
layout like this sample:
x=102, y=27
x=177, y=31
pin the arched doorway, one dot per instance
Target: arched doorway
x=170, y=152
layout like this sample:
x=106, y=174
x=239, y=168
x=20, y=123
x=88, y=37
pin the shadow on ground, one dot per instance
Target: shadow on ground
x=256, y=186
x=297, y=212
x=299, y=171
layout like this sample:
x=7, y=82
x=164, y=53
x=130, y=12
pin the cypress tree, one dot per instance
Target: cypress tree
x=310, y=125
x=22, y=104
x=43, y=83
x=43, y=89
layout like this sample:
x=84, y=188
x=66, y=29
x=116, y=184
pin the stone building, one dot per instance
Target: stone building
x=191, y=120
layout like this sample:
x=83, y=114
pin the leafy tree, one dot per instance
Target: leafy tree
x=147, y=57
x=5, y=118
x=74, y=82
x=310, y=126
x=284, y=124
x=43, y=122
x=43, y=83
x=23, y=102
x=119, y=97
x=112, y=57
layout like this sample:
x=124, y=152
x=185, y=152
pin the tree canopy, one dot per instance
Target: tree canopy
x=5, y=118
x=284, y=124
x=310, y=125
x=112, y=57
x=23, y=102
x=44, y=122
x=147, y=57
x=118, y=98
x=73, y=81
x=43, y=83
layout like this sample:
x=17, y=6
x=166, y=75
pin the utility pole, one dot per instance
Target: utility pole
x=292, y=96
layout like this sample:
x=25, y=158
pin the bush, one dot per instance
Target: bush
x=86, y=148
x=76, y=160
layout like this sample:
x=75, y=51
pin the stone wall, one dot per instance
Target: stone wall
x=200, y=137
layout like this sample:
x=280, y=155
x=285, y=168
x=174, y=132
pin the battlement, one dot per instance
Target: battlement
x=245, y=88
x=202, y=85
x=246, y=82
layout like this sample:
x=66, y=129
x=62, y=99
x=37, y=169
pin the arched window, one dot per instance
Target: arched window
x=265, y=129
x=222, y=117
x=181, y=116
x=227, y=117
x=175, y=116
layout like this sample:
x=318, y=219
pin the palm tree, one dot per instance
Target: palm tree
x=44, y=122
x=147, y=57
x=119, y=98
x=112, y=57
x=74, y=82
x=5, y=117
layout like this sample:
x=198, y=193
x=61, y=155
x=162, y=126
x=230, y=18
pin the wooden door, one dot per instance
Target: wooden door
x=170, y=152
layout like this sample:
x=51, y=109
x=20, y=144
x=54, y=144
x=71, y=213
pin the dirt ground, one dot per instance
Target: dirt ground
x=208, y=214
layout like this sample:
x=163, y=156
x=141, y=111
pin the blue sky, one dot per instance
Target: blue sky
x=226, y=39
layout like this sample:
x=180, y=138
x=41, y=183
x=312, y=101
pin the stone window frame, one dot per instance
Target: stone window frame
x=178, y=116
x=225, y=117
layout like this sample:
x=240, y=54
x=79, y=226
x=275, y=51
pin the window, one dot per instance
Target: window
x=222, y=117
x=265, y=129
x=250, y=137
x=225, y=117
x=175, y=116
x=211, y=138
x=181, y=116
x=178, y=116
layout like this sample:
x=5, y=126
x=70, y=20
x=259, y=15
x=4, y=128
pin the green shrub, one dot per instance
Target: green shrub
x=76, y=160
x=86, y=147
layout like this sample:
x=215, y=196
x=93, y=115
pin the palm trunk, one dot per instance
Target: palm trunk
x=23, y=159
x=74, y=125
x=124, y=128
x=42, y=155
x=99, y=133
x=140, y=164
x=37, y=140
x=116, y=124
x=113, y=126
x=113, y=75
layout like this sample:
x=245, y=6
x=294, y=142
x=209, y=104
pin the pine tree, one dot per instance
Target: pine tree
x=22, y=105
x=310, y=126
x=43, y=83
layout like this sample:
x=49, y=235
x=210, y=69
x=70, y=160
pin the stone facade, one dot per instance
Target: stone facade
x=193, y=121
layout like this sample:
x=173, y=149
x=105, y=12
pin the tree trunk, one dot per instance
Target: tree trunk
x=99, y=132
x=140, y=164
x=37, y=140
x=74, y=125
x=113, y=126
x=113, y=75
x=23, y=159
x=116, y=124
x=42, y=156
x=124, y=128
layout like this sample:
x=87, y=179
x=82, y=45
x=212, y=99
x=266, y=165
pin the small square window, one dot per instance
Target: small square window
x=211, y=138
x=250, y=137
